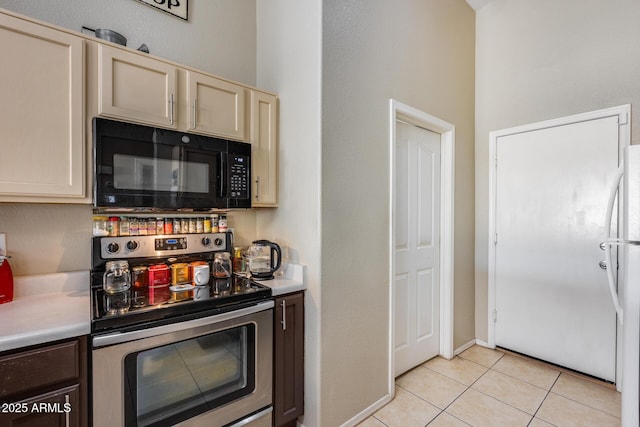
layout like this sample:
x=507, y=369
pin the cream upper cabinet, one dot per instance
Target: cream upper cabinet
x=42, y=155
x=135, y=87
x=264, y=151
x=215, y=106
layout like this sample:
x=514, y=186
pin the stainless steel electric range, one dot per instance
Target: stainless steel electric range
x=168, y=348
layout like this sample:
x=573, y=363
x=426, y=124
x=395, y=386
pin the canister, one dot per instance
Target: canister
x=159, y=275
x=159, y=284
x=179, y=273
x=140, y=276
x=116, y=278
x=222, y=265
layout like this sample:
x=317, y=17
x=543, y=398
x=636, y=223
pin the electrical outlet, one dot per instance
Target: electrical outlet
x=3, y=243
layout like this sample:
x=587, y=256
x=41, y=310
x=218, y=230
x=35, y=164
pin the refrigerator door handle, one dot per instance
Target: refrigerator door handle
x=611, y=241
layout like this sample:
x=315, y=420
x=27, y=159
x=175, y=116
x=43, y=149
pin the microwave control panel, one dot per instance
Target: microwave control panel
x=239, y=177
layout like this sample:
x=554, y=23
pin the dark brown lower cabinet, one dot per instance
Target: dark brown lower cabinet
x=45, y=385
x=288, y=372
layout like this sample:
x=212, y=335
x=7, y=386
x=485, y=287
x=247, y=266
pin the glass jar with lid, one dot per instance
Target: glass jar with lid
x=222, y=265
x=100, y=226
x=116, y=277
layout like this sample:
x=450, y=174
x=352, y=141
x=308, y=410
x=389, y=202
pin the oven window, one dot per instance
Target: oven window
x=149, y=174
x=175, y=382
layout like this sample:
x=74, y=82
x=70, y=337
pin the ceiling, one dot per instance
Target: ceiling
x=478, y=4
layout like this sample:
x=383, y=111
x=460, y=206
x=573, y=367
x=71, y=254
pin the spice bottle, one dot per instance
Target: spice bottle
x=214, y=223
x=100, y=226
x=160, y=225
x=124, y=226
x=134, y=227
x=222, y=224
x=238, y=260
x=151, y=226
x=206, y=224
x=114, y=226
x=168, y=226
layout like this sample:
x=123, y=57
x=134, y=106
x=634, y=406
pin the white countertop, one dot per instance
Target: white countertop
x=290, y=278
x=51, y=307
x=46, y=308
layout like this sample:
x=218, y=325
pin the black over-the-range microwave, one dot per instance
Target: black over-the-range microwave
x=143, y=167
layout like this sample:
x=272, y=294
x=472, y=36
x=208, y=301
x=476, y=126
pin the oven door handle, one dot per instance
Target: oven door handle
x=121, y=337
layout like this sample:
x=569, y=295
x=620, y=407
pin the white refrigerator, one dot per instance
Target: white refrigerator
x=626, y=293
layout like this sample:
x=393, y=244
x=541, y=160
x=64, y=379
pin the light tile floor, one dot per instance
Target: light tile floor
x=485, y=387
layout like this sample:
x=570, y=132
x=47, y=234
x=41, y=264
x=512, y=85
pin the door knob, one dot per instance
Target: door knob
x=603, y=264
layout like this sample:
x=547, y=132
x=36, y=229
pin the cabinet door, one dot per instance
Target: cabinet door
x=215, y=106
x=57, y=408
x=136, y=88
x=264, y=152
x=41, y=113
x=288, y=375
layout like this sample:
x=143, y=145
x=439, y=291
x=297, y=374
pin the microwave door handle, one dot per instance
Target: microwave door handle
x=222, y=192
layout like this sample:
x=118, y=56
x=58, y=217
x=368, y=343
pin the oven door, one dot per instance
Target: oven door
x=144, y=167
x=211, y=371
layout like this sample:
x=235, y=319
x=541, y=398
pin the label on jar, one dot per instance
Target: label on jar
x=133, y=227
x=124, y=226
x=151, y=226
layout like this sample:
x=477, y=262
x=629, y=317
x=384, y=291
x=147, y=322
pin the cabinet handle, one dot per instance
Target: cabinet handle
x=171, y=109
x=195, y=113
x=284, y=315
x=66, y=415
x=257, y=188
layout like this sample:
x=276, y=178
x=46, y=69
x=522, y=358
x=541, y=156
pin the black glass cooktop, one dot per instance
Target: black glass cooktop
x=142, y=308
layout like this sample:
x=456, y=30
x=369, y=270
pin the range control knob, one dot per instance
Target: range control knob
x=218, y=241
x=112, y=248
x=132, y=245
x=206, y=241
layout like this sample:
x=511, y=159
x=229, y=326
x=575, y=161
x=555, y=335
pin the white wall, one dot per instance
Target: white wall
x=289, y=64
x=422, y=54
x=220, y=38
x=538, y=60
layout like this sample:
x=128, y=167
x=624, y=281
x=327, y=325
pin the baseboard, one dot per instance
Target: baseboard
x=358, y=418
x=464, y=347
x=483, y=343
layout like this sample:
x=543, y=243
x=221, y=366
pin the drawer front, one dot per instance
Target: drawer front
x=28, y=370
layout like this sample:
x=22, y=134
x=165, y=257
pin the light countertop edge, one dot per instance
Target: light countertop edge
x=287, y=280
x=46, y=308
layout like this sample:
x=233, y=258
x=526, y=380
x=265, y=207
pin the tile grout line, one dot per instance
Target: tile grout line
x=545, y=398
x=468, y=387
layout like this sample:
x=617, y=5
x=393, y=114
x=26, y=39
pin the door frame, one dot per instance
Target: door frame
x=413, y=116
x=623, y=112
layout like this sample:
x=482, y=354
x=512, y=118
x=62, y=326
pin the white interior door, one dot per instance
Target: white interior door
x=551, y=298
x=417, y=246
